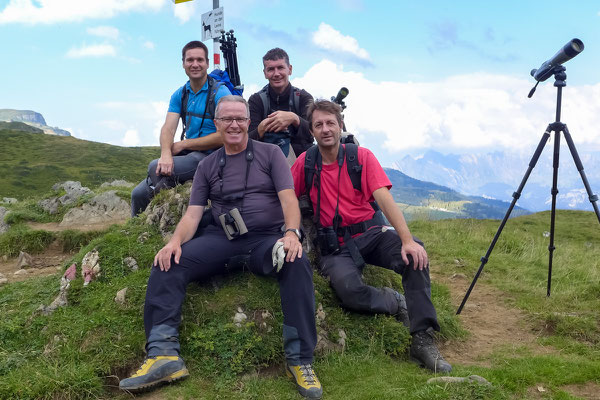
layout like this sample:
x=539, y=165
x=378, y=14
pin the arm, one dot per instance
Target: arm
x=394, y=215
x=208, y=142
x=256, y=117
x=167, y=134
x=291, y=215
x=185, y=231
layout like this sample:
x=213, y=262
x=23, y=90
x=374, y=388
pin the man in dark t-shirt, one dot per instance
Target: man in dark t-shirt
x=252, y=195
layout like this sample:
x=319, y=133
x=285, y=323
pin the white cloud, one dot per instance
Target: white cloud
x=148, y=45
x=184, y=11
x=97, y=50
x=56, y=11
x=330, y=39
x=108, y=32
x=132, y=138
x=148, y=117
x=461, y=113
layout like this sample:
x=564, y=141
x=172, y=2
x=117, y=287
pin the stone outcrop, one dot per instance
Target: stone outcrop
x=25, y=260
x=31, y=118
x=3, y=225
x=104, y=207
x=117, y=183
x=73, y=190
x=90, y=267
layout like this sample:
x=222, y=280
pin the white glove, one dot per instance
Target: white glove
x=278, y=255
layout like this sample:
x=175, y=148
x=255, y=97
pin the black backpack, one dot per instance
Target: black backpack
x=354, y=168
x=294, y=101
x=209, y=108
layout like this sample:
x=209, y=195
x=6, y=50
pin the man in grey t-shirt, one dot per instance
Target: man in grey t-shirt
x=252, y=195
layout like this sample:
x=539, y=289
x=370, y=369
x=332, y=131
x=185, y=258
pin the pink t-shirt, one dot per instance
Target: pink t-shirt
x=354, y=205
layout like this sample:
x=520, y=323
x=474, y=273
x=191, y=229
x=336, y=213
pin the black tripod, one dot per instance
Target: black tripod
x=560, y=76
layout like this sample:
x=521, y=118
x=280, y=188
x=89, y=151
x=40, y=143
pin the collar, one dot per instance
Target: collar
x=284, y=94
x=188, y=87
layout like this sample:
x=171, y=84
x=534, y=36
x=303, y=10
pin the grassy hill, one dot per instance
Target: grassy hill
x=32, y=163
x=80, y=351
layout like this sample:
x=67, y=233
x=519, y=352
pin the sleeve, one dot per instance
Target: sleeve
x=298, y=175
x=280, y=170
x=256, y=113
x=200, y=186
x=175, y=102
x=373, y=176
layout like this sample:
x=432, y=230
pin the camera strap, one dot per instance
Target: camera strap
x=223, y=162
x=337, y=219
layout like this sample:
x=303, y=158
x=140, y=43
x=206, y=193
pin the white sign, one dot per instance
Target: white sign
x=212, y=24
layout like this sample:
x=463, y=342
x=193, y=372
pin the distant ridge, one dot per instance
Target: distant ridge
x=31, y=118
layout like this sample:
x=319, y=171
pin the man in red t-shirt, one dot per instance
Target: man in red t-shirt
x=346, y=213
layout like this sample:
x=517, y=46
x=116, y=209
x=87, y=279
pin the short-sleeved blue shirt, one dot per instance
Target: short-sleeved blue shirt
x=197, y=104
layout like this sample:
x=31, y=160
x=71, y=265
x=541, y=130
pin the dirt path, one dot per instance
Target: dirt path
x=491, y=323
x=55, y=227
x=48, y=262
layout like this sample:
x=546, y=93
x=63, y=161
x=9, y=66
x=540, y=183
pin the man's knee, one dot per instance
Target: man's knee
x=353, y=295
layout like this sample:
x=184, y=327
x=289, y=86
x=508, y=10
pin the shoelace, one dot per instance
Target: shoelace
x=308, y=374
x=139, y=371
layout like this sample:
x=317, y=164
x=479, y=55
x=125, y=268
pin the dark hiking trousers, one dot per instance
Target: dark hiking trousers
x=204, y=257
x=184, y=168
x=381, y=249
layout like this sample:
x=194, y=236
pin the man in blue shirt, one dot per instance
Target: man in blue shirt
x=178, y=160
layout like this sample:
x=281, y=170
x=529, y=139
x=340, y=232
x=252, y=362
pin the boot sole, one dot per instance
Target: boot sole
x=422, y=365
x=181, y=374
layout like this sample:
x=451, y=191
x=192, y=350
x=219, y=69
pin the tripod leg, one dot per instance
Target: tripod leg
x=593, y=198
x=516, y=195
x=554, y=192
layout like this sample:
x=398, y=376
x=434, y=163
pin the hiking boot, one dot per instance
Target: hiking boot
x=305, y=379
x=402, y=313
x=425, y=353
x=154, y=371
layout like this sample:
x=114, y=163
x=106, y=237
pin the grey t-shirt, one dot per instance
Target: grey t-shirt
x=260, y=207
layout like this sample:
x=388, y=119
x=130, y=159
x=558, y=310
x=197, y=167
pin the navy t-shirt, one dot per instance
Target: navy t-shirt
x=260, y=207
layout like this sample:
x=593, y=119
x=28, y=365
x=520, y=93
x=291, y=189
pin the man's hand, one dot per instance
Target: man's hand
x=279, y=121
x=417, y=252
x=165, y=166
x=163, y=257
x=291, y=246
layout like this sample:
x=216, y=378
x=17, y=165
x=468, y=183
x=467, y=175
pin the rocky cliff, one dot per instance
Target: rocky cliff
x=31, y=118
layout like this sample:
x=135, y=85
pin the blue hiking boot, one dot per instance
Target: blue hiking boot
x=153, y=371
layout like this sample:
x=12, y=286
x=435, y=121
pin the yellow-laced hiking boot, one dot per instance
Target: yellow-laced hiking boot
x=306, y=380
x=153, y=371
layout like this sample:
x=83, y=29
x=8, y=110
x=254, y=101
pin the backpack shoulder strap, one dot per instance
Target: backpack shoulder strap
x=183, y=113
x=213, y=88
x=354, y=168
x=310, y=161
x=264, y=97
x=295, y=100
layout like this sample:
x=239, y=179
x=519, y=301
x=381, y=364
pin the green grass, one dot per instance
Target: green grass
x=81, y=350
x=32, y=163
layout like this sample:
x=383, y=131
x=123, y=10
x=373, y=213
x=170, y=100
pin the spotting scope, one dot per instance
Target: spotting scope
x=568, y=51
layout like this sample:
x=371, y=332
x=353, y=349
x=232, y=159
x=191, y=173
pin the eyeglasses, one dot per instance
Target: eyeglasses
x=229, y=120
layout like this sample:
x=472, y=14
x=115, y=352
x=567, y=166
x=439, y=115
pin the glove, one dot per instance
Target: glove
x=278, y=255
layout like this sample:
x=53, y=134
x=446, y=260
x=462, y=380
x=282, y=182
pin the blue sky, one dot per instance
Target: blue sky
x=448, y=76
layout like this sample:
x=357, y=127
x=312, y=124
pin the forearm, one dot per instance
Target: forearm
x=166, y=141
x=186, y=228
x=208, y=142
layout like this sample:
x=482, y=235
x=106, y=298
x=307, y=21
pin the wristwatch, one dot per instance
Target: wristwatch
x=296, y=231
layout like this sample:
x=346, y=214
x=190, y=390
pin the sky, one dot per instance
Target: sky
x=430, y=75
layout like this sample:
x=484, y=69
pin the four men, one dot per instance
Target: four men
x=195, y=103
x=255, y=211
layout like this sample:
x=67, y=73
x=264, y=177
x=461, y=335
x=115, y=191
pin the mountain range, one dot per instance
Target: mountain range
x=497, y=175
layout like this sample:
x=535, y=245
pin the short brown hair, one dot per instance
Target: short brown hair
x=324, y=106
x=194, y=44
x=276, y=54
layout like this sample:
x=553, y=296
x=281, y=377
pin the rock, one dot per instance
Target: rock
x=71, y=272
x=104, y=207
x=458, y=379
x=3, y=225
x=21, y=272
x=143, y=237
x=120, y=297
x=5, y=258
x=50, y=205
x=117, y=182
x=9, y=200
x=24, y=261
x=342, y=340
x=90, y=267
x=131, y=263
x=3, y=279
x=320, y=314
x=239, y=317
